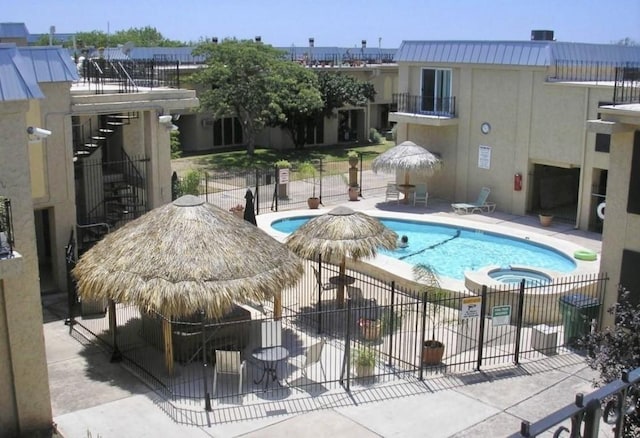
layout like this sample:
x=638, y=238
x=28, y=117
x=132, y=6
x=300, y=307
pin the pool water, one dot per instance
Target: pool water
x=515, y=276
x=452, y=250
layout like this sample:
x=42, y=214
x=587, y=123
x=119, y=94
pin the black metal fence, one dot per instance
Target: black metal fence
x=277, y=189
x=127, y=75
x=583, y=418
x=627, y=85
x=330, y=334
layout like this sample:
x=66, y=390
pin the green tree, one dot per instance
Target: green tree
x=339, y=90
x=140, y=36
x=174, y=138
x=617, y=349
x=251, y=81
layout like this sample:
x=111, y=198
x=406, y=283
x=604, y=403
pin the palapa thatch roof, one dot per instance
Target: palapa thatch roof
x=184, y=257
x=341, y=233
x=409, y=157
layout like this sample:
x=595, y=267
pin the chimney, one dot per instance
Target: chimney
x=541, y=35
x=364, y=44
x=258, y=39
x=214, y=40
x=311, y=42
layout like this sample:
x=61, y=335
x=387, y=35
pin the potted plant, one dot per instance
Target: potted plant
x=370, y=329
x=364, y=361
x=238, y=211
x=353, y=157
x=432, y=349
x=308, y=170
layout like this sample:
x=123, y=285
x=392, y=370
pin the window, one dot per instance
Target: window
x=633, y=202
x=436, y=91
x=603, y=140
x=629, y=274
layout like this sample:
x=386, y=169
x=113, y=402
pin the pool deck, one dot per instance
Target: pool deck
x=561, y=236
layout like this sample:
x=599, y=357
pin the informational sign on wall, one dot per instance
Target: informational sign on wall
x=470, y=307
x=484, y=157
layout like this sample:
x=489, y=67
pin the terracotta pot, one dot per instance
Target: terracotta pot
x=354, y=192
x=313, y=203
x=370, y=329
x=432, y=352
x=353, y=161
x=545, y=219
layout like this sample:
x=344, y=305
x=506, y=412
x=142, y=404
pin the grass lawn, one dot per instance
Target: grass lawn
x=267, y=157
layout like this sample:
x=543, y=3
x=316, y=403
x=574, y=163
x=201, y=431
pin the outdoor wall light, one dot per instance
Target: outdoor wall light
x=165, y=119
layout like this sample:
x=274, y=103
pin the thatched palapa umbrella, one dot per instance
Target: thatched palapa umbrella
x=184, y=257
x=408, y=157
x=341, y=233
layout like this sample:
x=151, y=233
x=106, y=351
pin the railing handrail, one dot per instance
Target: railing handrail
x=128, y=77
x=414, y=104
x=587, y=409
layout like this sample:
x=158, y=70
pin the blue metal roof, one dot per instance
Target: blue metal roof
x=13, y=30
x=50, y=63
x=526, y=53
x=17, y=78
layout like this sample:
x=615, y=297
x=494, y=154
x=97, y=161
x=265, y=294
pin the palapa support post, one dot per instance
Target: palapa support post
x=277, y=305
x=340, y=293
x=167, y=336
x=116, y=355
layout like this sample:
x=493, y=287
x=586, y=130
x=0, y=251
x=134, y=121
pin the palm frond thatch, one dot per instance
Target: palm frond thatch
x=341, y=233
x=184, y=257
x=408, y=157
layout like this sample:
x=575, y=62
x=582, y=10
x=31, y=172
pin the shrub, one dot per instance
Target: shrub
x=616, y=349
x=190, y=183
x=283, y=164
x=176, y=150
x=375, y=137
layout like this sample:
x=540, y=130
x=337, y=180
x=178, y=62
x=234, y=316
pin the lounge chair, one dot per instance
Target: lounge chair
x=392, y=193
x=479, y=206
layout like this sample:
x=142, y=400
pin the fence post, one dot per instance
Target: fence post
x=257, y=197
x=319, y=294
x=207, y=398
x=360, y=185
x=320, y=188
x=346, y=369
x=483, y=307
x=206, y=186
x=424, y=332
x=390, y=319
x=516, y=358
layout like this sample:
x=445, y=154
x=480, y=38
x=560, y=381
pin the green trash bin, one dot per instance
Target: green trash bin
x=577, y=311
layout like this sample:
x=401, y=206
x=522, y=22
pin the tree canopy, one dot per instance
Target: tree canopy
x=140, y=36
x=254, y=82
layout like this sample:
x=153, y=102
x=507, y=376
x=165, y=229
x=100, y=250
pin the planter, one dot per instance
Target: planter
x=370, y=329
x=364, y=370
x=432, y=352
x=313, y=203
x=354, y=193
x=353, y=161
x=545, y=219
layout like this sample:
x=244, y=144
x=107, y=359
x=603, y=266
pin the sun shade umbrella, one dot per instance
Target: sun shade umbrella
x=184, y=257
x=339, y=234
x=407, y=157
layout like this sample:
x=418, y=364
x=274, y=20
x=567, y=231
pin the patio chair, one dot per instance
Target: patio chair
x=271, y=334
x=323, y=286
x=312, y=356
x=479, y=206
x=228, y=362
x=392, y=193
x=420, y=194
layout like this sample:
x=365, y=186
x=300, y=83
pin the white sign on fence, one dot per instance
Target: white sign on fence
x=501, y=315
x=471, y=307
x=283, y=176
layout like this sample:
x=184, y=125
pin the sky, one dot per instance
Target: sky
x=343, y=23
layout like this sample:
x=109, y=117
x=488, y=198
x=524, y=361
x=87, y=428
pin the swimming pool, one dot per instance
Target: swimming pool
x=451, y=250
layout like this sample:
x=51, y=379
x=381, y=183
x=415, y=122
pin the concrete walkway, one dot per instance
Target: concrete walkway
x=92, y=396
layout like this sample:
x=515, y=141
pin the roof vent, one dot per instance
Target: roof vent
x=258, y=39
x=541, y=35
x=364, y=44
x=311, y=42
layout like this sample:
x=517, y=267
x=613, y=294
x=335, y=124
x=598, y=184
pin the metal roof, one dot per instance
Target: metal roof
x=17, y=79
x=50, y=63
x=524, y=53
x=13, y=30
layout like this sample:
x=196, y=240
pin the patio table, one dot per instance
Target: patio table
x=269, y=356
x=407, y=189
x=337, y=280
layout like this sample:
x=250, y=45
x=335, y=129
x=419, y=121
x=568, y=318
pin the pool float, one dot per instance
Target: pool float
x=585, y=254
x=600, y=210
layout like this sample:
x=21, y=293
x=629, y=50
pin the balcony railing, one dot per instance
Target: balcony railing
x=608, y=404
x=425, y=105
x=128, y=75
x=6, y=228
x=627, y=85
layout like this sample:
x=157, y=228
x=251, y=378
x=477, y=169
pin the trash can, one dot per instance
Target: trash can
x=577, y=312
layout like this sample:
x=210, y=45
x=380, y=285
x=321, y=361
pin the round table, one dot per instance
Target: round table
x=269, y=356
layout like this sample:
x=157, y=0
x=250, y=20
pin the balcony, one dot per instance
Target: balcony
x=424, y=110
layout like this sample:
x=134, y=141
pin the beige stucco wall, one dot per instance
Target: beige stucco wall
x=621, y=230
x=59, y=196
x=532, y=121
x=24, y=398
